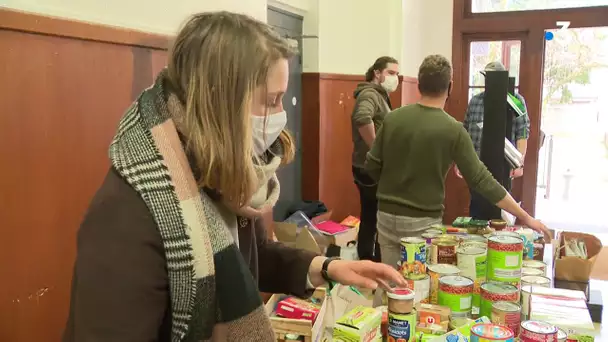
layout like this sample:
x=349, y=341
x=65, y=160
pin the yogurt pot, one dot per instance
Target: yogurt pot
x=401, y=300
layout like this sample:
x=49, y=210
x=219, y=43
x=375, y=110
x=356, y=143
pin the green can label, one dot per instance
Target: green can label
x=505, y=254
x=456, y=293
x=472, y=263
x=496, y=292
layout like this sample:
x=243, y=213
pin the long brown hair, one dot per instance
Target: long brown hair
x=380, y=64
x=217, y=61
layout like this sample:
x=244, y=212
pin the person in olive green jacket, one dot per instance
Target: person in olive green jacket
x=372, y=104
x=411, y=156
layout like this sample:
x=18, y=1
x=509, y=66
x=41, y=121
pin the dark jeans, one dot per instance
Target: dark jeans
x=367, y=242
x=477, y=207
x=479, y=204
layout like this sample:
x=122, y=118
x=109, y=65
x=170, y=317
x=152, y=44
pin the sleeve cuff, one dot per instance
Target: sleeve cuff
x=309, y=285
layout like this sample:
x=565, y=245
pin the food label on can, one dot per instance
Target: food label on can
x=496, y=292
x=456, y=292
x=504, y=258
x=402, y=327
x=421, y=288
x=436, y=271
x=413, y=258
x=507, y=314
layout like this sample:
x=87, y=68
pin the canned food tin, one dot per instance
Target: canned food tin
x=456, y=292
x=535, y=264
x=506, y=232
x=443, y=250
x=402, y=327
x=507, y=314
x=538, y=331
x=504, y=258
x=525, y=301
x=534, y=280
x=421, y=288
x=527, y=271
x=413, y=257
x=471, y=260
x=496, y=292
x=487, y=332
x=562, y=336
x=435, y=272
x=475, y=238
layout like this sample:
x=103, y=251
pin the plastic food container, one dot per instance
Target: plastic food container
x=400, y=300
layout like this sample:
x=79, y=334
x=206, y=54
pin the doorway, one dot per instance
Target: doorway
x=573, y=161
x=289, y=26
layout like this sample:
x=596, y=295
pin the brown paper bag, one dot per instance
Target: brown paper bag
x=340, y=300
x=572, y=268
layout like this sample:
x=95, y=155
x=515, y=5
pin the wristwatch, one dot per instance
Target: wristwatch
x=324, y=273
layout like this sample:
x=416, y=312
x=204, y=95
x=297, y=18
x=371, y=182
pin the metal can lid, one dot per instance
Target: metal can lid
x=531, y=263
x=456, y=280
x=443, y=269
x=535, y=280
x=506, y=306
x=561, y=335
x=539, y=327
x=499, y=288
x=470, y=249
x=401, y=294
x=529, y=271
x=505, y=239
x=492, y=331
x=434, y=231
x=412, y=240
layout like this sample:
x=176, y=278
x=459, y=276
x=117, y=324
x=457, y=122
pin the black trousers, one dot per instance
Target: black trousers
x=479, y=206
x=367, y=242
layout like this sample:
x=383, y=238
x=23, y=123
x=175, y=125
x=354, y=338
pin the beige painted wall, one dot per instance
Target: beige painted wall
x=157, y=16
x=352, y=33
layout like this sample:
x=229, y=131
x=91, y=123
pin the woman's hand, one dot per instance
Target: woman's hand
x=364, y=273
x=541, y=228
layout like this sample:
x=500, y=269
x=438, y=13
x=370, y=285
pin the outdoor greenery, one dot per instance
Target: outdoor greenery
x=569, y=59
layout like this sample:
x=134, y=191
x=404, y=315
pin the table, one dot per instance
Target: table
x=599, y=285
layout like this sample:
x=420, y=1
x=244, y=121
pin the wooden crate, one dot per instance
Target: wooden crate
x=302, y=327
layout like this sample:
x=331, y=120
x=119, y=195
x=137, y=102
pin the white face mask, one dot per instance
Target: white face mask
x=390, y=83
x=264, y=137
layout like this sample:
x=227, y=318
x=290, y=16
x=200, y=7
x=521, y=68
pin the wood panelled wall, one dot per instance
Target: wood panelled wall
x=64, y=85
x=327, y=138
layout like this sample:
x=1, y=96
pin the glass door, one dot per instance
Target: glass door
x=572, y=179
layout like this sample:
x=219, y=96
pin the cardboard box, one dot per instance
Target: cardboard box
x=566, y=309
x=310, y=239
x=303, y=327
x=573, y=268
x=361, y=324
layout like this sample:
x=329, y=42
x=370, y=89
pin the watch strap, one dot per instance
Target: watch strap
x=324, y=268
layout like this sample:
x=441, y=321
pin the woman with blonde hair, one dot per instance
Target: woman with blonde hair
x=192, y=171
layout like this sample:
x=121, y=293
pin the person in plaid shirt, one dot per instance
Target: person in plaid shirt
x=474, y=119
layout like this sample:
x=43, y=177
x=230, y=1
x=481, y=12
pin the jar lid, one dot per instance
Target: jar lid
x=400, y=294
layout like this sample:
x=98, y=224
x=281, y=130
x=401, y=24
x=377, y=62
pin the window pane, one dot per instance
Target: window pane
x=484, y=6
x=482, y=53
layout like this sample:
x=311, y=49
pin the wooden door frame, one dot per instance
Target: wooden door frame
x=530, y=26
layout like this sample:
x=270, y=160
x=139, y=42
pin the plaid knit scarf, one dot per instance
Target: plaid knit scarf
x=213, y=295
